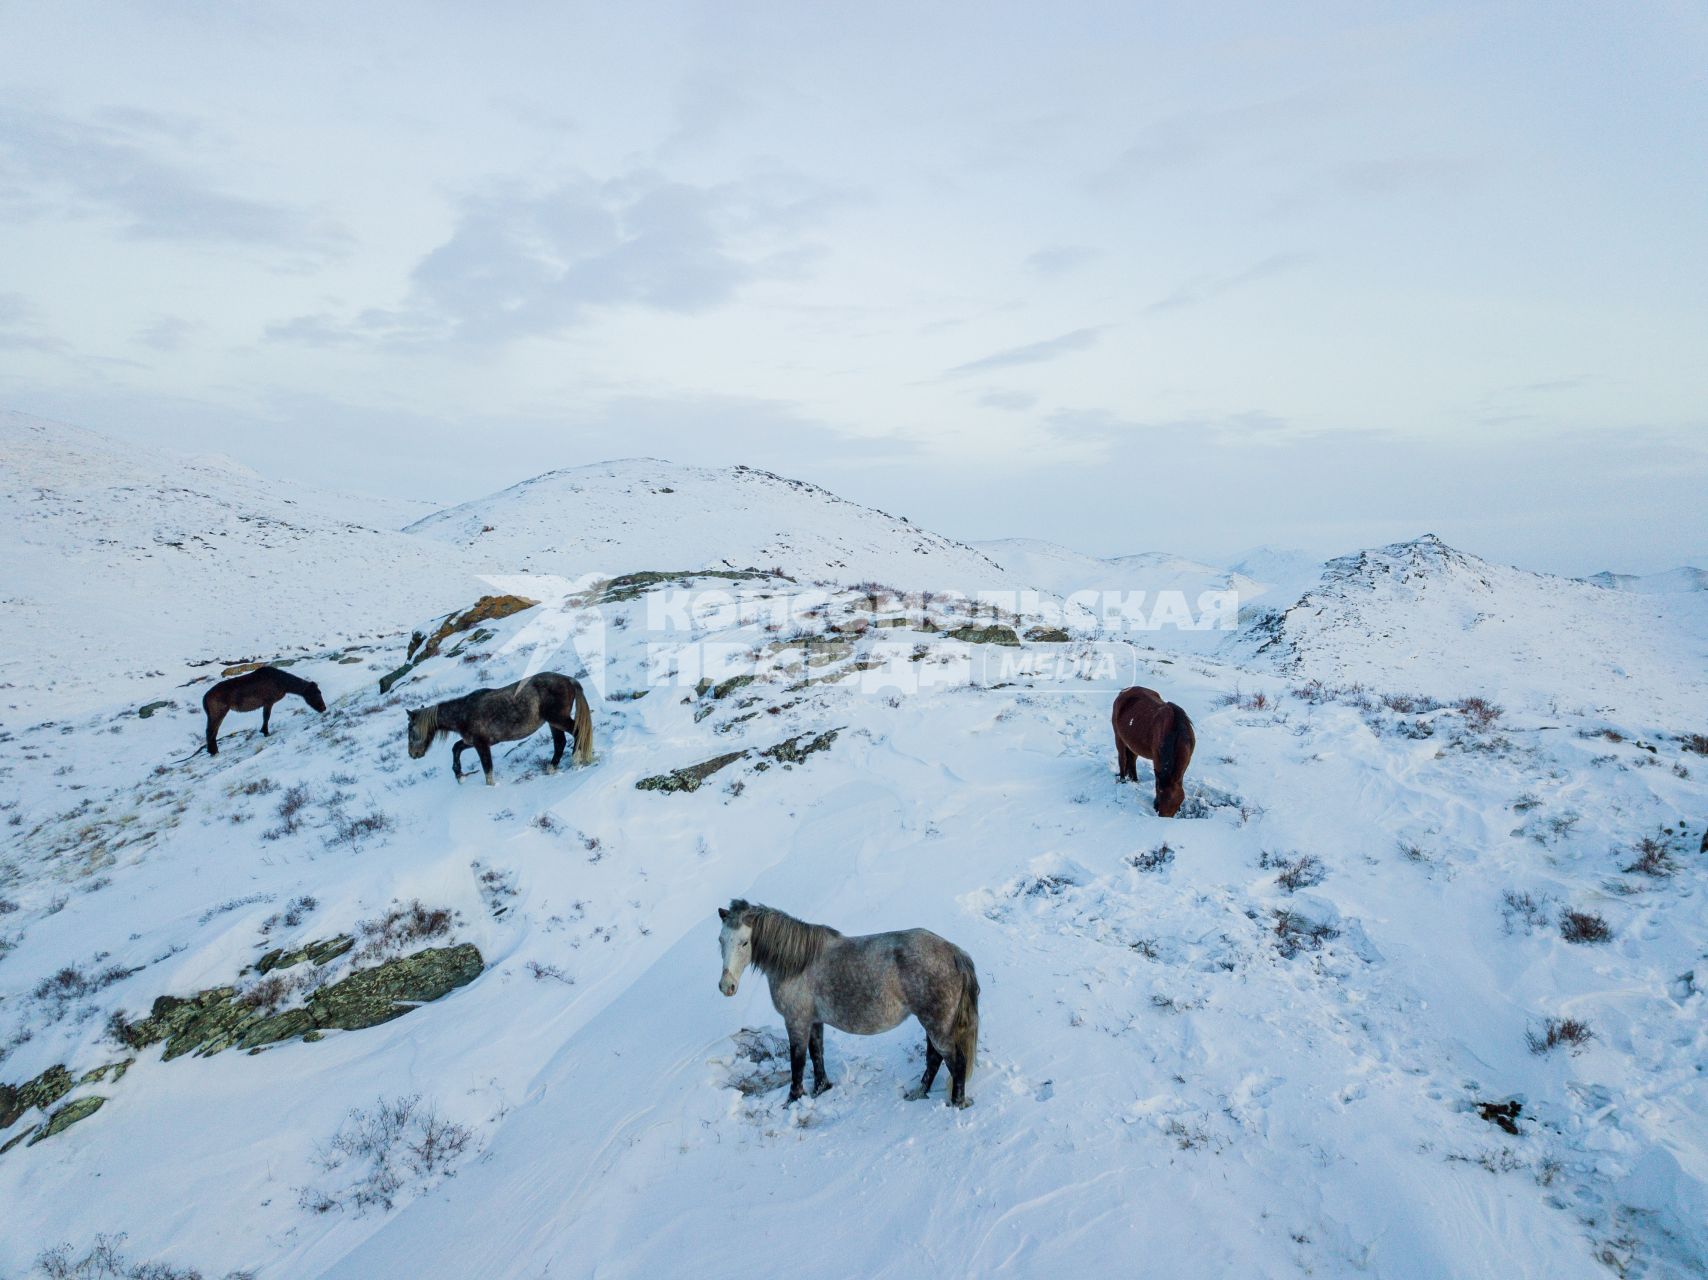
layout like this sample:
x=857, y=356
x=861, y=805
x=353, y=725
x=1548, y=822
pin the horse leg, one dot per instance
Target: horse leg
x=558, y=741
x=266, y=718
x=215, y=715
x=484, y=751
x=1124, y=763
x=798, y=1036
x=457, y=758
x=933, y=1060
x=815, y=1044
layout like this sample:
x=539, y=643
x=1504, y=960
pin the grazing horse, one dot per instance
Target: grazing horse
x=255, y=690
x=865, y=985
x=1159, y=731
x=509, y=714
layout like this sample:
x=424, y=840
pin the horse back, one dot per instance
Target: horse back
x=248, y=692
x=867, y=984
x=1138, y=718
x=1185, y=737
x=512, y=711
x=555, y=694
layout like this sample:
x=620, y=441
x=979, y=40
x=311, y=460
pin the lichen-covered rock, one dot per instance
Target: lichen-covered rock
x=319, y=952
x=187, y=1023
x=631, y=585
x=67, y=1116
x=424, y=645
x=689, y=778
x=720, y=691
x=486, y=609
x=14, y=1141
x=271, y=1030
x=42, y=1092
x=993, y=634
x=1048, y=635
x=369, y=997
x=218, y=1018
x=114, y=1069
x=147, y=710
x=796, y=749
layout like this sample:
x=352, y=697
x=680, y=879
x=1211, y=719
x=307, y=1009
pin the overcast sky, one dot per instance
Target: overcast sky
x=1129, y=276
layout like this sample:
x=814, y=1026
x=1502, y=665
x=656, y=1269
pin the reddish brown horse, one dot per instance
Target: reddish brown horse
x=255, y=690
x=1159, y=731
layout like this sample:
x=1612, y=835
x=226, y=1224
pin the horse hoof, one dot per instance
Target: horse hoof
x=794, y=1096
x=960, y=1104
x=492, y=782
x=820, y=1086
x=551, y=768
x=915, y=1094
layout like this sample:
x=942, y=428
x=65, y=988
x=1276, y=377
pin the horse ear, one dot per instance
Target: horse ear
x=723, y=913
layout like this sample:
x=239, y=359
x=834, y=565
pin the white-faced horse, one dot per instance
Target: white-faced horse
x=864, y=985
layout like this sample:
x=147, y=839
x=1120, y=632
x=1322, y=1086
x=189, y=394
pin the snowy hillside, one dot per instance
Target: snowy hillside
x=1435, y=619
x=641, y=513
x=142, y=569
x=1412, y=988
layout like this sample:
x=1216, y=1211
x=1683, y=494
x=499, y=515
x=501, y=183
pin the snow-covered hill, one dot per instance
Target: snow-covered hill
x=129, y=568
x=1427, y=617
x=1413, y=989
x=641, y=513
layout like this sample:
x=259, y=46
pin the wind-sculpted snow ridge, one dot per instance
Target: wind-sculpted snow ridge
x=614, y=517
x=1456, y=625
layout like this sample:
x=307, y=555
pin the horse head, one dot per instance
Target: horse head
x=421, y=724
x=735, y=941
x=313, y=697
x=1170, y=798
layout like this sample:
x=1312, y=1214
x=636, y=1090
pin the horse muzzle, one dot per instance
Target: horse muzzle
x=728, y=985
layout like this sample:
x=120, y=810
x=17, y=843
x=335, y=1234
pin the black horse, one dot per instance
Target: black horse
x=487, y=716
x=255, y=690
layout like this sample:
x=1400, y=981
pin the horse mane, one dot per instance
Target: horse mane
x=290, y=683
x=1168, y=751
x=782, y=945
x=435, y=730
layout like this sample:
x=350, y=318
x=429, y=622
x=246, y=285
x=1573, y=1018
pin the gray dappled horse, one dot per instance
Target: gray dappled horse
x=863, y=985
x=487, y=716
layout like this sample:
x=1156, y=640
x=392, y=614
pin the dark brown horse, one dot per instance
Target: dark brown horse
x=255, y=690
x=1161, y=732
x=486, y=716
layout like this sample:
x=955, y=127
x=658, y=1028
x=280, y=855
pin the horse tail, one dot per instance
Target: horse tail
x=964, y=1031
x=583, y=727
x=1178, y=734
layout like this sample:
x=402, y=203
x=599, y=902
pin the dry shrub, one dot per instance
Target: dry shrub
x=1555, y=1032
x=1583, y=927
